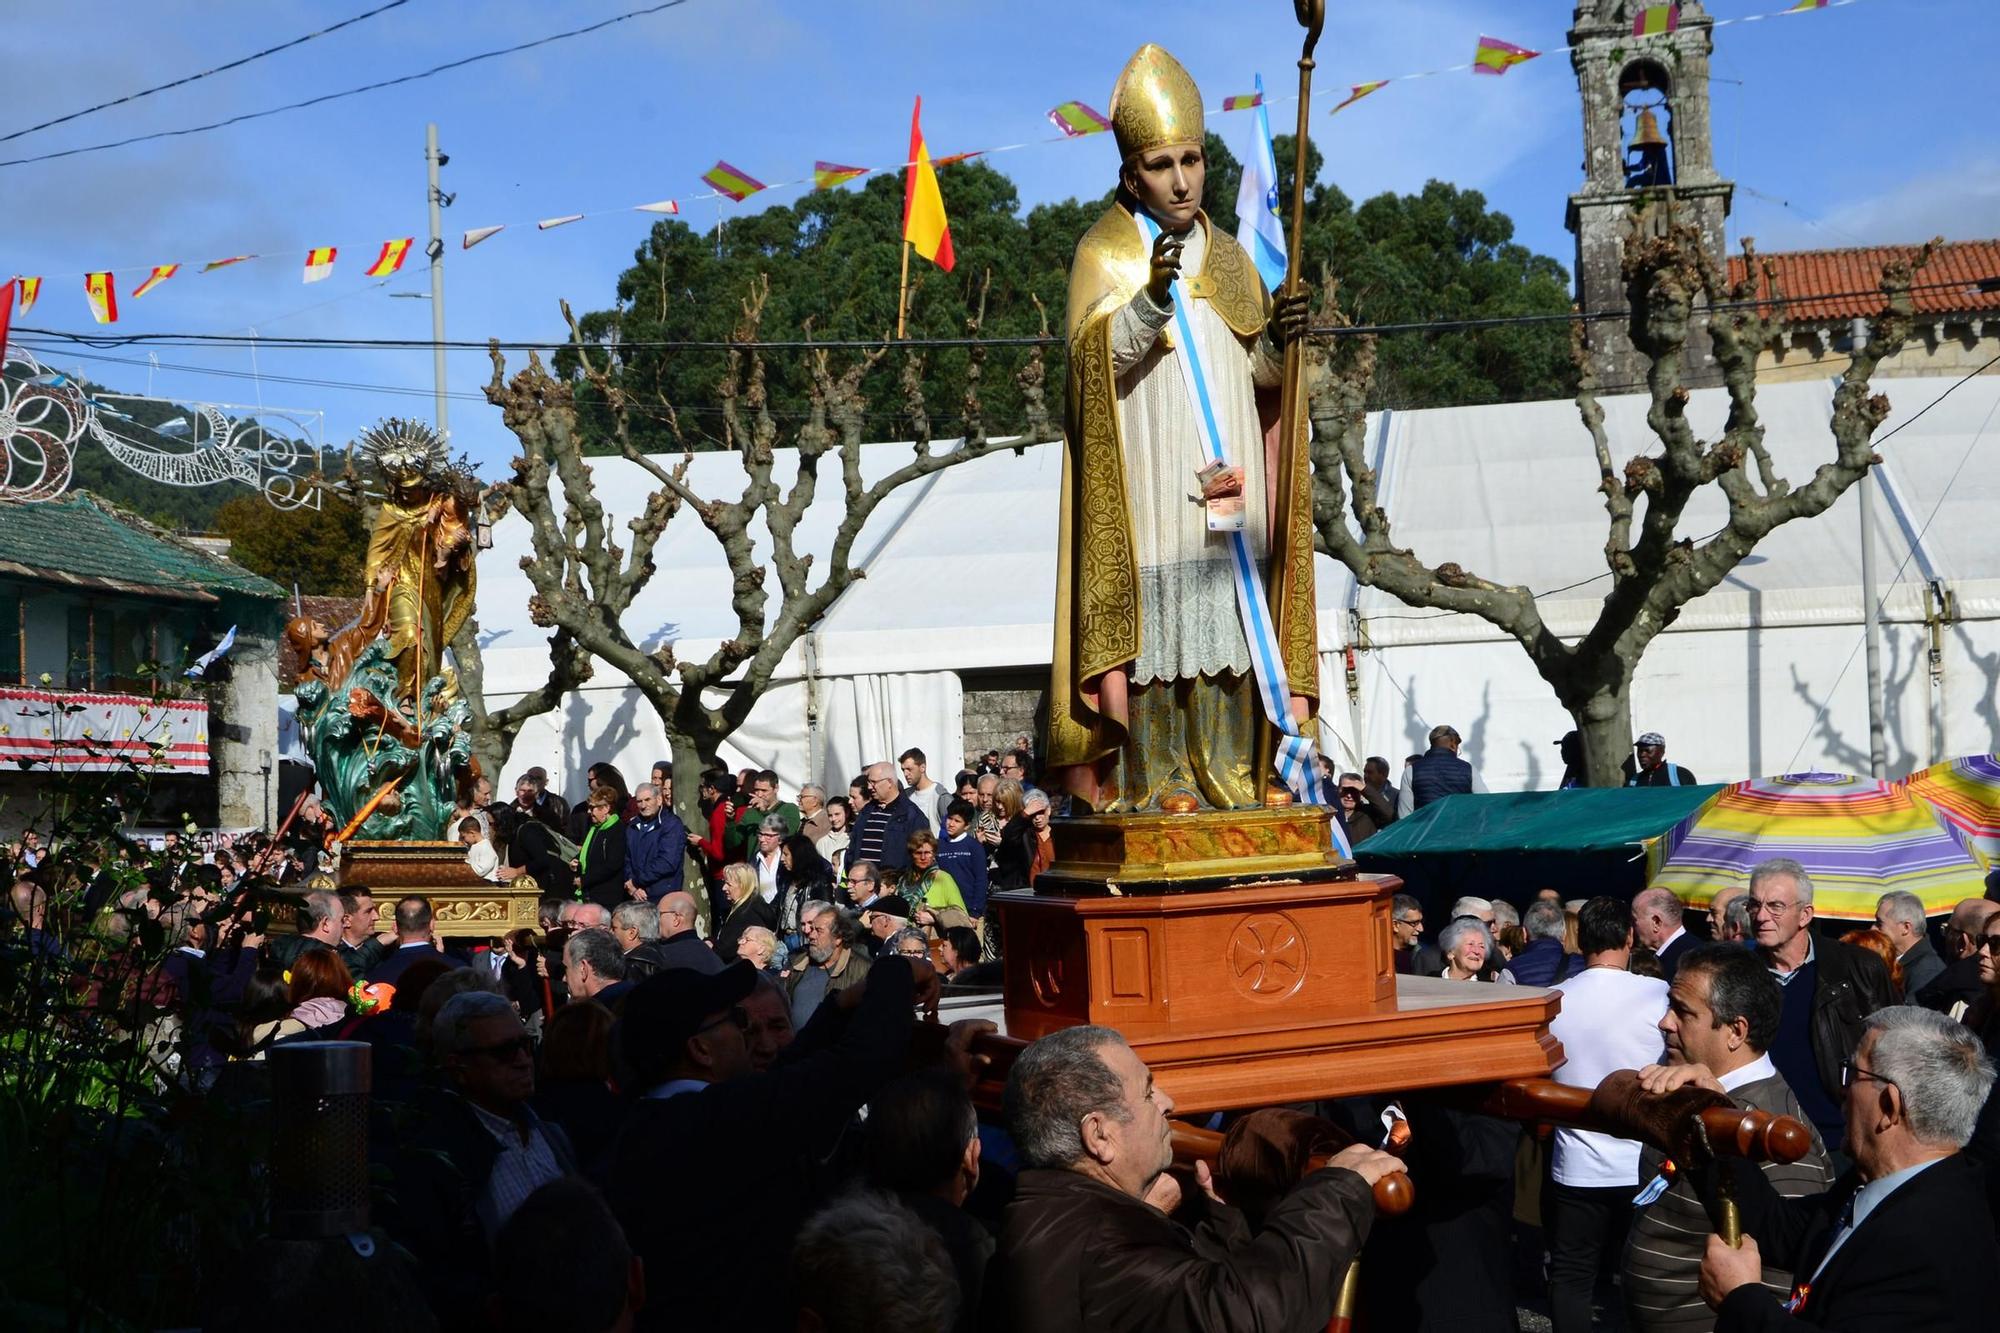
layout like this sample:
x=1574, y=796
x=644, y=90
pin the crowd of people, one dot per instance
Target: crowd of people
x=703, y=1093
x=1878, y=1040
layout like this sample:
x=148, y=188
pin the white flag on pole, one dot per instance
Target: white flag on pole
x=1258, y=228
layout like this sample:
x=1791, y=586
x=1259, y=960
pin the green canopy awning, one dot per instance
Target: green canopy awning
x=1582, y=841
x=1582, y=819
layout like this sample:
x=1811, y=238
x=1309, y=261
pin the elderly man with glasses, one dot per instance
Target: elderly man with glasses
x=883, y=826
x=1829, y=990
x=1904, y=1239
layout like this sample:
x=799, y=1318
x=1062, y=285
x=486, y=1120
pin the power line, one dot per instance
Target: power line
x=1910, y=420
x=857, y=344
x=350, y=92
x=193, y=78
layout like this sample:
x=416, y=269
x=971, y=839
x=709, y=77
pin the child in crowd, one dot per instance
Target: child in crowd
x=963, y=857
x=483, y=852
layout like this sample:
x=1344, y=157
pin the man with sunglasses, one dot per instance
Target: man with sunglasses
x=475, y=1153
x=1904, y=1240
x=716, y=1151
x=1828, y=988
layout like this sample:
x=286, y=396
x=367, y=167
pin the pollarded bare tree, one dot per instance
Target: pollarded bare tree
x=585, y=581
x=494, y=730
x=1654, y=571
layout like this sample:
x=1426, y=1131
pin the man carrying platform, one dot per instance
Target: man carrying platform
x=1084, y=1247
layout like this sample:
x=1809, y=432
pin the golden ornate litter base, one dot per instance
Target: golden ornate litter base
x=463, y=905
x=1203, y=849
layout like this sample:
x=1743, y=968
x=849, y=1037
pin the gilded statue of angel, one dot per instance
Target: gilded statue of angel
x=421, y=552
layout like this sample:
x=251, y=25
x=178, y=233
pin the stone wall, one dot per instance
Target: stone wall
x=1001, y=706
x=243, y=723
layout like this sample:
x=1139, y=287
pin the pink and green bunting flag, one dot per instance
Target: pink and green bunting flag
x=1075, y=119
x=826, y=175
x=727, y=180
x=1361, y=90
x=1803, y=5
x=1242, y=101
x=1494, y=56
x=1654, y=20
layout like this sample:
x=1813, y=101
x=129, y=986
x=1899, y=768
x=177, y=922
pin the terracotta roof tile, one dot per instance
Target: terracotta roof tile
x=1958, y=265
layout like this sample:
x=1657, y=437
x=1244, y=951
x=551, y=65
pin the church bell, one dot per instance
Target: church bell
x=1647, y=163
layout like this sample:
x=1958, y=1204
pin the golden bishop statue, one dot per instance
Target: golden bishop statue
x=1153, y=697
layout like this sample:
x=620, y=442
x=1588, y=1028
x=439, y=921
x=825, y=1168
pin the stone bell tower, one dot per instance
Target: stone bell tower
x=1647, y=156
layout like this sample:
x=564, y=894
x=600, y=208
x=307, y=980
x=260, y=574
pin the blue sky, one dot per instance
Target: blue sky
x=639, y=111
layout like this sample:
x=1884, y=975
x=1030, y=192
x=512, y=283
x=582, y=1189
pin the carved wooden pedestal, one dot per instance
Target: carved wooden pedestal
x=463, y=905
x=1279, y=988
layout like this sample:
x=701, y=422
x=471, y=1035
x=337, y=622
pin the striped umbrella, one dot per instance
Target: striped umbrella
x=1966, y=795
x=1857, y=837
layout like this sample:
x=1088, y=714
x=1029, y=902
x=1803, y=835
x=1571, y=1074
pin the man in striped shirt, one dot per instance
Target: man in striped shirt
x=1722, y=1015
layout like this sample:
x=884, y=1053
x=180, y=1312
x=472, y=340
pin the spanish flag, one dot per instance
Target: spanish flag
x=732, y=182
x=391, y=258
x=31, y=292
x=103, y=294
x=1493, y=56
x=924, y=224
x=6, y=315
x=828, y=175
x=1358, y=91
x=1654, y=20
x=159, y=275
x=319, y=262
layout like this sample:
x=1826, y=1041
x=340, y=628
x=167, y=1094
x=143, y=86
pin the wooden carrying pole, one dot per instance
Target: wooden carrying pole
x=1291, y=397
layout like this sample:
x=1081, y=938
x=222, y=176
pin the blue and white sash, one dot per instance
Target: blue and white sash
x=1295, y=751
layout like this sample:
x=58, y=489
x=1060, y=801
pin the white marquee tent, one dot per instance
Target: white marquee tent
x=1763, y=675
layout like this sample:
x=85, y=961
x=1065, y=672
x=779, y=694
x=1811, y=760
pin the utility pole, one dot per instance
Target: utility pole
x=1878, y=748
x=433, y=159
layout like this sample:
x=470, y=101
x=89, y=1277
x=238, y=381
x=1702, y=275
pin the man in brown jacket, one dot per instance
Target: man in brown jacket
x=1083, y=1249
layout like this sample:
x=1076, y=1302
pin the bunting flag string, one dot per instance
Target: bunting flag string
x=1075, y=120
x=1656, y=19
x=1361, y=90
x=392, y=257
x=1493, y=56
x=828, y=175
x=731, y=183
x=1072, y=120
x=159, y=275
x=102, y=289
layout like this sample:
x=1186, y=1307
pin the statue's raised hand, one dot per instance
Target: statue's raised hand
x=1166, y=267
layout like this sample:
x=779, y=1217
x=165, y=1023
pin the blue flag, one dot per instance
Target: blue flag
x=213, y=655
x=1258, y=228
